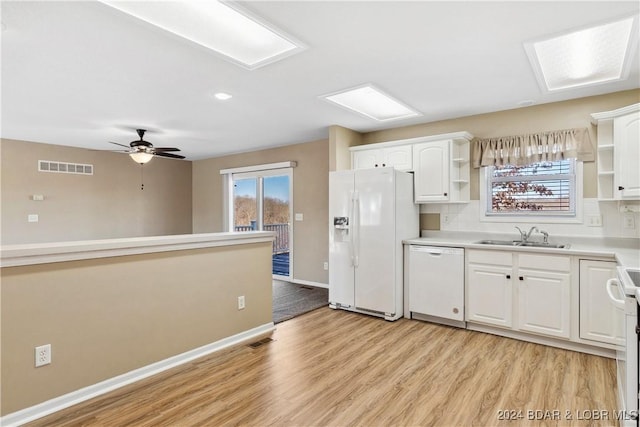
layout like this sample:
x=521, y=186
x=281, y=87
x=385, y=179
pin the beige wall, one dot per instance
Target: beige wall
x=134, y=311
x=538, y=118
x=310, y=197
x=107, y=204
x=340, y=139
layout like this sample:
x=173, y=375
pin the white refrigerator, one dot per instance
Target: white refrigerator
x=371, y=211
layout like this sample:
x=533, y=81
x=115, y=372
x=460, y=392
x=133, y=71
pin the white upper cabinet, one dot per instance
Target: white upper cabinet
x=431, y=182
x=441, y=171
x=618, y=153
x=626, y=137
x=440, y=164
x=398, y=157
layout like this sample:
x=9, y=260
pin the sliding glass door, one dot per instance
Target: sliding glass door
x=261, y=200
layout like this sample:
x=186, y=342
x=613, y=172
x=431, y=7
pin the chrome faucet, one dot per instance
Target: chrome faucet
x=524, y=236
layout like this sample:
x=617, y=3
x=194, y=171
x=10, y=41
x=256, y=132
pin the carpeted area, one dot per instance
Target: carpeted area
x=291, y=300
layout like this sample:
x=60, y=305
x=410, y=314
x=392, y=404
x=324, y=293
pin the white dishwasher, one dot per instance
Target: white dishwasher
x=436, y=284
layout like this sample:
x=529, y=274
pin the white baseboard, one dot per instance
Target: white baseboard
x=58, y=403
x=310, y=283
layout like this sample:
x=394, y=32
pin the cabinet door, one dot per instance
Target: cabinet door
x=431, y=167
x=366, y=159
x=489, y=295
x=626, y=134
x=599, y=319
x=544, y=302
x=398, y=157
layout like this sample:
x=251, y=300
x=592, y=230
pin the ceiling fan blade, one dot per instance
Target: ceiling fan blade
x=166, y=149
x=173, y=156
x=122, y=145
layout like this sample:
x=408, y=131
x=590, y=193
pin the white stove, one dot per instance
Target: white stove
x=624, y=293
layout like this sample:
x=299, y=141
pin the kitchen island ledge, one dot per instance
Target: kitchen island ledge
x=43, y=253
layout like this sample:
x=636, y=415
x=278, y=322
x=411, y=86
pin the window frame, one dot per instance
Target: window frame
x=530, y=216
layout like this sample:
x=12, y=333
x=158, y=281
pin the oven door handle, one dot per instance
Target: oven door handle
x=618, y=303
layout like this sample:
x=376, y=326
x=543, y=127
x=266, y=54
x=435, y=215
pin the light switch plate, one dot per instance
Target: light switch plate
x=299, y=217
x=594, y=220
x=32, y=218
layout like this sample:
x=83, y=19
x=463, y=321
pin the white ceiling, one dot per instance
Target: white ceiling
x=80, y=73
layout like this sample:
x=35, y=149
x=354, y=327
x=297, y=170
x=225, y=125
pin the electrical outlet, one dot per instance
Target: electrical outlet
x=43, y=355
x=629, y=221
x=241, y=302
x=446, y=218
x=325, y=265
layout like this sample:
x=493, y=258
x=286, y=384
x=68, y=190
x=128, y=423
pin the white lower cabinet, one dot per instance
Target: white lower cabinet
x=489, y=290
x=520, y=291
x=599, y=320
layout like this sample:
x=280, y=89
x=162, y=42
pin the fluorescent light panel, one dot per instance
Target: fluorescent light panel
x=373, y=103
x=586, y=57
x=221, y=27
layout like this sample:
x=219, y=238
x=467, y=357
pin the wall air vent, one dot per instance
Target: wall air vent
x=62, y=167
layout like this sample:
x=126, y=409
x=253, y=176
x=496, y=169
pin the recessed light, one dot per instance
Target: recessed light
x=594, y=55
x=371, y=102
x=222, y=27
x=222, y=96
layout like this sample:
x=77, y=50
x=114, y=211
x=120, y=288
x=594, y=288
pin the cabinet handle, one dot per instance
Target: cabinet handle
x=508, y=276
x=383, y=165
x=520, y=278
x=376, y=165
x=445, y=194
x=620, y=188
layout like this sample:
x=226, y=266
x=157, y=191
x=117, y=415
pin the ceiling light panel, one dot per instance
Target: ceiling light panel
x=222, y=27
x=373, y=103
x=586, y=57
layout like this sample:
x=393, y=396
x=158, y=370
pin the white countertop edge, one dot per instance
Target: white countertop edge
x=42, y=253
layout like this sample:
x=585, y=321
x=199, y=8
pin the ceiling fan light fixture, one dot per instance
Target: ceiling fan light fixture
x=141, y=157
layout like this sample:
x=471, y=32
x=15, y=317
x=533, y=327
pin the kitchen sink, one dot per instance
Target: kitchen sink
x=499, y=242
x=521, y=243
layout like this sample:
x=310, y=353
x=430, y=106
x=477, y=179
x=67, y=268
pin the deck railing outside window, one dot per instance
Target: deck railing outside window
x=281, y=242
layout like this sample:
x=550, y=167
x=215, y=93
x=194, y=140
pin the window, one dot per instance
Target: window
x=538, y=189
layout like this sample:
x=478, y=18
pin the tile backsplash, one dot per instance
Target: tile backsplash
x=466, y=217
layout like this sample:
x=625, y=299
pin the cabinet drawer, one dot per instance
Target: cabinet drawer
x=490, y=257
x=545, y=262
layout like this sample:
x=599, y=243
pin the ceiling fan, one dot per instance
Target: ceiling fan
x=142, y=151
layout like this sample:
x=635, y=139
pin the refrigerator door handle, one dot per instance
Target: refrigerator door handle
x=355, y=231
x=351, y=227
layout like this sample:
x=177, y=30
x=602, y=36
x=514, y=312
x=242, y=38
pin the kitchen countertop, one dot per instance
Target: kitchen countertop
x=625, y=251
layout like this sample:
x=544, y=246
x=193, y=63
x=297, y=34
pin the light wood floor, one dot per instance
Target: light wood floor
x=334, y=368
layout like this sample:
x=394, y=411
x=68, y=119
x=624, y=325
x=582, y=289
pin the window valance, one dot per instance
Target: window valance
x=537, y=147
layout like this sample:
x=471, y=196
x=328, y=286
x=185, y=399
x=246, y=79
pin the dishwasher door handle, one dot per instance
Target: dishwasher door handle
x=430, y=251
x=435, y=252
